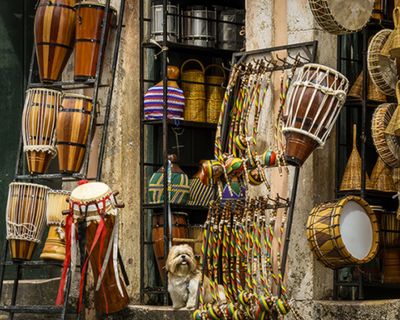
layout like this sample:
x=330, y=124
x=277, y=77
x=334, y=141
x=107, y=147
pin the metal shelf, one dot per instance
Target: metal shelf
x=182, y=124
x=160, y=206
x=197, y=50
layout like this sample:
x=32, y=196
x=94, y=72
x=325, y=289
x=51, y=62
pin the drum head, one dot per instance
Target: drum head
x=356, y=230
x=352, y=15
x=90, y=191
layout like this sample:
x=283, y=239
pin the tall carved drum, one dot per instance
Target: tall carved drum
x=54, y=37
x=38, y=127
x=54, y=248
x=89, y=18
x=316, y=99
x=72, y=131
x=95, y=204
x=25, y=218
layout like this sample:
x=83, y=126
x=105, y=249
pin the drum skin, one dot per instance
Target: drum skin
x=72, y=131
x=89, y=18
x=325, y=240
x=179, y=230
x=107, y=299
x=54, y=30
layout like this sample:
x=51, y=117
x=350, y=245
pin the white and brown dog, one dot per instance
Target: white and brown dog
x=184, y=278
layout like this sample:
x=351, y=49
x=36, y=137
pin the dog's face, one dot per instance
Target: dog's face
x=181, y=260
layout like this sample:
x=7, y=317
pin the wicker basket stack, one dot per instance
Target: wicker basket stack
x=215, y=92
x=194, y=90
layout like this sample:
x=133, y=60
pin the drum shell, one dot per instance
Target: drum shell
x=54, y=29
x=179, y=230
x=199, y=32
x=323, y=233
x=39, y=121
x=391, y=265
x=89, y=18
x=311, y=108
x=25, y=216
x=157, y=16
x=54, y=247
x=72, y=132
x=108, y=294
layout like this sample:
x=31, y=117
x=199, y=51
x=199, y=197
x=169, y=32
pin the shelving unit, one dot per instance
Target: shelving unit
x=51, y=178
x=196, y=139
x=352, y=59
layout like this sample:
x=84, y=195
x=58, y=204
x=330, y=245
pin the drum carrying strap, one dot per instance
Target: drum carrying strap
x=114, y=246
x=70, y=239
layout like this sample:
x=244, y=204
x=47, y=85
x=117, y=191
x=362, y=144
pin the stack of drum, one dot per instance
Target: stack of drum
x=54, y=122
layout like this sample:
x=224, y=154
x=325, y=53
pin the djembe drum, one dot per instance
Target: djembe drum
x=54, y=248
x=38, y=127
x=95, y=204
x=72, y=131
x=89, y=18
x=179, y=231
x=314, y=104
x=54, y=37
x=25, y=218
x=343, y=233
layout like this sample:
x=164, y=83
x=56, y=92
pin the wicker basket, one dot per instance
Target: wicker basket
x=381, y=177
x=395, y=45
x=374, y=94
x=195, y=94
x=356, y=89
x=352, y=174
x=215, y=92
x=385, y=52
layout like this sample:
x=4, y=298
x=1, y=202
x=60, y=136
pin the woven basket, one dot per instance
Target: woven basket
x=396, y=178
x=356, y=89
x=381, y=177
x=385, y=52
x=378, y=10
x=374, y=94
x=393, y=127
x=195, y=94
x=395, y=45
x=352, y=174
x=215, y=92
x=387, y=146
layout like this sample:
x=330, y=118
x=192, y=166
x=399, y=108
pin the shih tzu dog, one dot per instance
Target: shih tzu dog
x=184, y=278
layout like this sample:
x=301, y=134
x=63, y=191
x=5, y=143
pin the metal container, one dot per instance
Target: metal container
x=157, y=15
x=197, y=28
x=229, y=37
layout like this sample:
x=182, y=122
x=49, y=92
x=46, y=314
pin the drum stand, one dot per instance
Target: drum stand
x=95, y=84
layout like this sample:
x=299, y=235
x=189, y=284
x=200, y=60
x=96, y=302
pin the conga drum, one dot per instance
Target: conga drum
x=25, y=218
x=96, y=202
x=316, y=99
x=179, y=230
x=54, y=247
x=89, y=18
x=54, y=37
x=38, y=127
x=343, y=232
x=72, y=131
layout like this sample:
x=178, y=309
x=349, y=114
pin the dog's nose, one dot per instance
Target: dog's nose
x=183, y=256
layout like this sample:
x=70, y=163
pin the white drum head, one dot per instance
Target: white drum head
x=352, y=15
x=90, y=191
x=356, y=230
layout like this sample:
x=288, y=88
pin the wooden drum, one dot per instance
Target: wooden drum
x=340, y=17
x=96, y=201
x=72, y=131
x=391, y=265
x=179, y=230
x=25, y=218
x=54, y=35
x=54, y=248
x=89, y=18
x=343, y=233
x=38, y=127
x=315, y=101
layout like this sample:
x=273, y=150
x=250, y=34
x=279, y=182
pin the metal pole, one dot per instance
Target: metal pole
x=142, y=226
x=15, y=290
x=289, y=226
x=66, y=294
x=2, y=266
x=165, y=146
x=110, y=91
